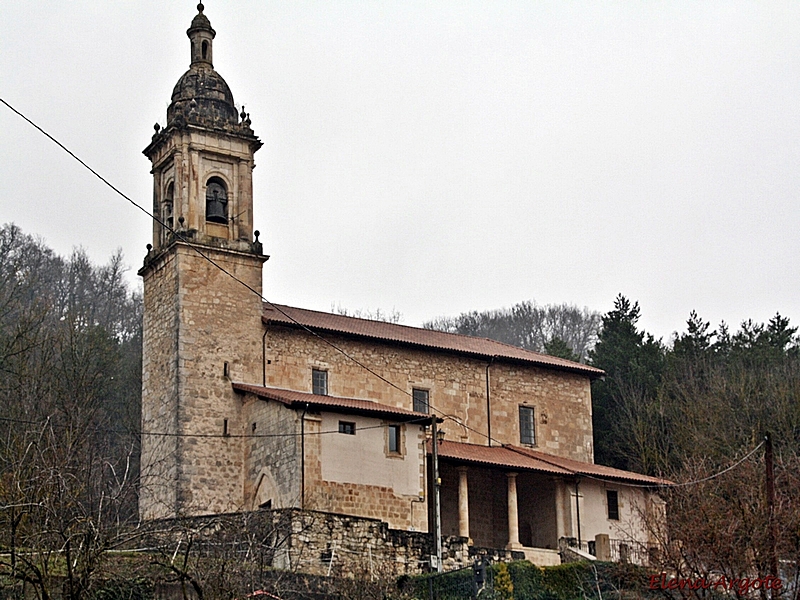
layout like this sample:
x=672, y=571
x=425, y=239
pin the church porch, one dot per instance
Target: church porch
x=523, y=500
x=496, y=507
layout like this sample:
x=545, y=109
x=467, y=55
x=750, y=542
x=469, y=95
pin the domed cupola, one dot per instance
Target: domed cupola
x=203, y=159
x=201, y=96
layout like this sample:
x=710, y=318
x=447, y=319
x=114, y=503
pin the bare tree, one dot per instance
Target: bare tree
x=391, y=316
x=70, y=351
x=529, y=326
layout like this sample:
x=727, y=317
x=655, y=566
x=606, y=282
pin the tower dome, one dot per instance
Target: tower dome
x=201, y=96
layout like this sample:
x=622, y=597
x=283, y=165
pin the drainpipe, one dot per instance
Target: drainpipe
x=578, y=510
x=303, y=458
x=489, y=404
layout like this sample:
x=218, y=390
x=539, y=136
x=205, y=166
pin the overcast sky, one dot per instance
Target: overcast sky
x=439, y=157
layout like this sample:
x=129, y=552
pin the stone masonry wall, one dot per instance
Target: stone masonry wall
x=272, y=454
x=562, y=405
x=219, y=323
x=196, y=319
x=457, y=386
x=159, y=462
x=325, y=543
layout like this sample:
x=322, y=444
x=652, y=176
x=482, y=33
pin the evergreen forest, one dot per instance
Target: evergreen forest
x=696, y=411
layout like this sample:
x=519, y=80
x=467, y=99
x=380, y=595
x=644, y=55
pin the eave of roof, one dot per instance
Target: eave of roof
x=515, y=457
x=482, y=348
x=298, y=400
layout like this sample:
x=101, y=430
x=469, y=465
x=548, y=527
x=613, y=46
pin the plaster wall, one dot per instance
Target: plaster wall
x=364, y=458
x=633, y=504
x=337, y=482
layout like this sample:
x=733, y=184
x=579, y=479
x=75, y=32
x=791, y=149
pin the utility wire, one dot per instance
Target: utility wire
x=715, y=475
x=420, y=421
x=304, y=327
x=652, y=485
x=202, y=435
x=199, y=251
x=197, y=248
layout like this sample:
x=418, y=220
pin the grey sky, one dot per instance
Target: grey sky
x=438, y=157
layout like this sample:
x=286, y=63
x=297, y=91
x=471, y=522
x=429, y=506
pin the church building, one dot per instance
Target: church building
x=249, y=405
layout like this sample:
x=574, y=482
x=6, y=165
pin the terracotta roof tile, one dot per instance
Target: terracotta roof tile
x=416, y=336
x=495, y=456
x=295, y=399
x=592, y=469
x=515, y=457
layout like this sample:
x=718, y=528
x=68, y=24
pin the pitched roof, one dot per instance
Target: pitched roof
x=516, y=457
x=591, y=468
x=497, y=456
x=415, y=336
x=337, y=404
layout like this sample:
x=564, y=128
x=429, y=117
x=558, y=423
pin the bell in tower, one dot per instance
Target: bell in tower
x=216, y=201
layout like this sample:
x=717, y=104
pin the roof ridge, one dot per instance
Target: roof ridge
x=546, y=359
x=322, y=312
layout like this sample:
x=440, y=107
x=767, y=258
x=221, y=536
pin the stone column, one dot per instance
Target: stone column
x=561, y=529
x=513, y=515
x=463, y=503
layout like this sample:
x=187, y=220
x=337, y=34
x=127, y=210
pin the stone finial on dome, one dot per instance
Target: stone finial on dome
x=202, y=97
x=201, y=35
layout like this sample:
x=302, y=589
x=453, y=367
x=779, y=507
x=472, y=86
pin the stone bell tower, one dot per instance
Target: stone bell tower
x=202, y=328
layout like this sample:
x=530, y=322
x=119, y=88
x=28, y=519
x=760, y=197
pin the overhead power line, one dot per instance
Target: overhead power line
x=198, y=249
x=123, y=432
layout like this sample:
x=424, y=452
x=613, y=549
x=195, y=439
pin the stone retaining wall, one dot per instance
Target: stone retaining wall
x=323, y=543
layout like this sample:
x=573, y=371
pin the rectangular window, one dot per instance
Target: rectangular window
x=421, y=401
x=613, y=504
x=527, y=434
x=347, y=427
x=319, y=382
x=394, y=439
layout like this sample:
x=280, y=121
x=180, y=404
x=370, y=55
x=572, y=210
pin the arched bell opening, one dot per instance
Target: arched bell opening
x=167, y=209
x=165, y=215
x=216, y=201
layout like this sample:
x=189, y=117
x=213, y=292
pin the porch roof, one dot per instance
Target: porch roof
x=298, y=400
x=512, y=457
